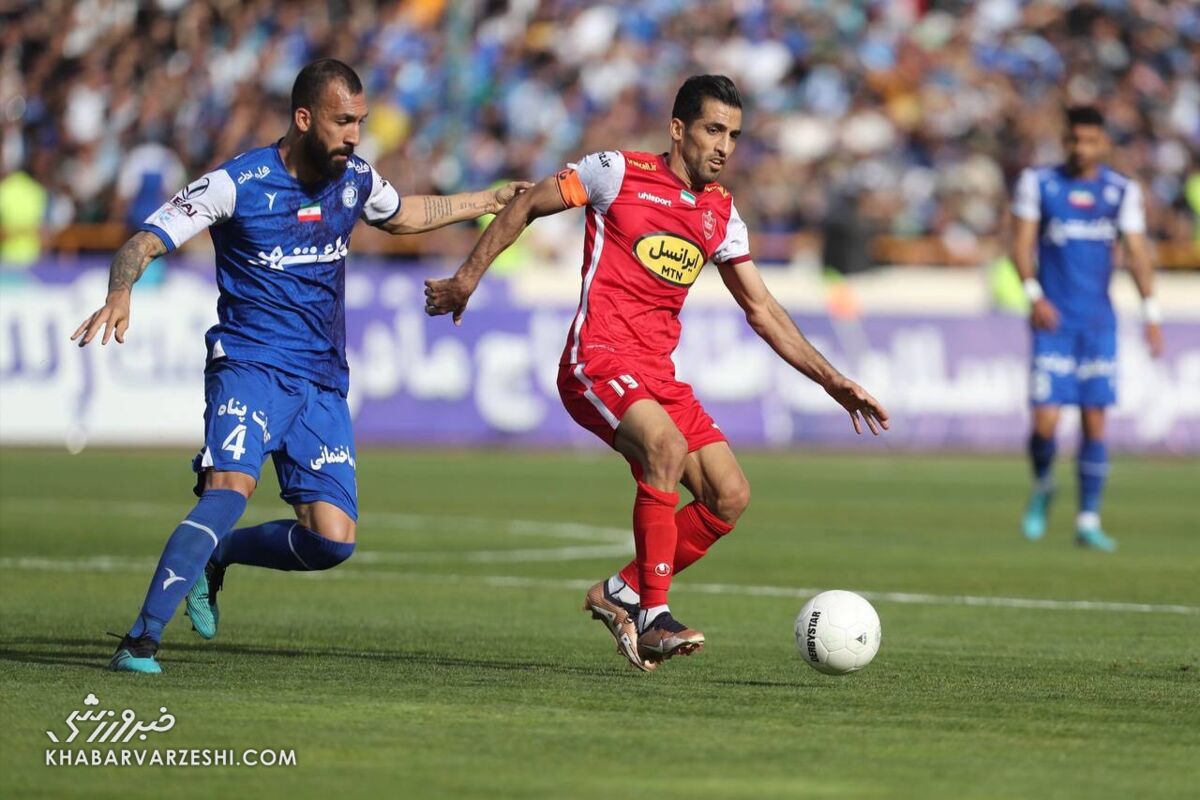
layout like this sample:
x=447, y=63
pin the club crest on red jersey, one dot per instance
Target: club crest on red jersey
x=710, y=223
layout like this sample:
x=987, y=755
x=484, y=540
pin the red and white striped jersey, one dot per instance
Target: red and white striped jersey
x=648, y=236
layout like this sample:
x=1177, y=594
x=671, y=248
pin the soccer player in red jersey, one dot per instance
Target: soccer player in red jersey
x=653, y=221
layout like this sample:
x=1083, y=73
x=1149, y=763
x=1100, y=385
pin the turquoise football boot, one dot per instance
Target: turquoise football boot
x=1033, y=524
x=1093, y=538
x=201, y=601
x=136, y=655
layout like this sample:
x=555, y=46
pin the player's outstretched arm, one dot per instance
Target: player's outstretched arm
x=775, y=326
x=127, y=266
x=1141, y=267
x=425, y=212
x=450, y=295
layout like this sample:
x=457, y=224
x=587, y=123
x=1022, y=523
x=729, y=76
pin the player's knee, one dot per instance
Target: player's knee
x=732, y=500
x=1093, y=424
x=238, y=482
x=666, y=451
x=327, y=520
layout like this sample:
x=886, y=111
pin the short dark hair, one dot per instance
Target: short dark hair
x=1084, y=115
x=689, y=100
x=311, y=81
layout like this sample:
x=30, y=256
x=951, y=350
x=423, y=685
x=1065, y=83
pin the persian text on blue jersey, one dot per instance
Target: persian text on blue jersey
x=280, y=253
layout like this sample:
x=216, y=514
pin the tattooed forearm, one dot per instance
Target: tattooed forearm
x=437, y=209
x=476, y=205
x=132, y=259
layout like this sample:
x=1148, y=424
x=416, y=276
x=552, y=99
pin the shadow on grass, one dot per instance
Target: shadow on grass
x=93, y=654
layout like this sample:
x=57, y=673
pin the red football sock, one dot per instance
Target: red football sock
x=655, y=537
x=698, y=527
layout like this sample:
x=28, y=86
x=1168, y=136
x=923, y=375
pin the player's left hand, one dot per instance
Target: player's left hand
x=1154, y=339
x=448, y=295
x=506, y=193
x=859, y=404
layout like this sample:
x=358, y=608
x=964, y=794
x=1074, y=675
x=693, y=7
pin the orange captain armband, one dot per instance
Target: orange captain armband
x=570, y=188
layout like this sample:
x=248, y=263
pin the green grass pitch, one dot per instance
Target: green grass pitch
x=449, y=658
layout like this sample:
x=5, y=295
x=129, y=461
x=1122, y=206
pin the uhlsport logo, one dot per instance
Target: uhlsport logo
x=672, y=258
x=96, y=736
x=662, y=569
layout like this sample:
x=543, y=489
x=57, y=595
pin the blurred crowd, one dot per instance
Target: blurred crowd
x=908, y=118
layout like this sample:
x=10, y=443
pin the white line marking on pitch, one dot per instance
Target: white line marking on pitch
x=120, y=564
x=416, y=522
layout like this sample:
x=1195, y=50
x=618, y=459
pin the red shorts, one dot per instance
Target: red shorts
x=598, y=393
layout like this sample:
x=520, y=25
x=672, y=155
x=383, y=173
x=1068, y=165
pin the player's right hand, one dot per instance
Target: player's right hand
x=1044, y=315
x=113, y=318
x=448, y=295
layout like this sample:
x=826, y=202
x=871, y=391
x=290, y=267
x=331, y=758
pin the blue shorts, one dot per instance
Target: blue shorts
x=252, y=410
x=1074, y=368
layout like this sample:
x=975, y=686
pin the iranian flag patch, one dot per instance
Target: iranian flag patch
x=309, y=213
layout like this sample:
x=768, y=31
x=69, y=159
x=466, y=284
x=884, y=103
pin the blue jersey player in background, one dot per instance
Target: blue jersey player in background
x=276, y=378
x=1073, y=215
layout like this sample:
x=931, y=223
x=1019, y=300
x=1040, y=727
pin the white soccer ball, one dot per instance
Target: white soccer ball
x=838, y=632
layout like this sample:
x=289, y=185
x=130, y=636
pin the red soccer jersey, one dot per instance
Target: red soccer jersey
x=648, y=237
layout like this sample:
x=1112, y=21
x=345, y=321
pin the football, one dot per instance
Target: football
x=838, y=632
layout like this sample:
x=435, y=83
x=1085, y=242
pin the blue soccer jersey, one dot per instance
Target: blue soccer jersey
x=281, y=256
x=1079, y=221
x=1078, y=224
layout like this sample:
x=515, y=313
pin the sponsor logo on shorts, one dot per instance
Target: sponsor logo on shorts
x=334, y=455
x=672, y=258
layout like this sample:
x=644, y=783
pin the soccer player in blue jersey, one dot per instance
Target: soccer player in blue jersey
x=1072, y=215
x=280, y=218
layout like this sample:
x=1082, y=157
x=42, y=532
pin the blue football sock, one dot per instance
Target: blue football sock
x=283, y=544
x=1041, y=454
x=1093, y=470
x=184, y=557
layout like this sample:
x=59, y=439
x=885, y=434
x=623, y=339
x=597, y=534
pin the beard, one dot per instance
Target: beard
x=321, y=159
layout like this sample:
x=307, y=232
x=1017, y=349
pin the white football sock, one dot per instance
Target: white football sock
x=647, y=615
x=1087, y=520
x=621, y=590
